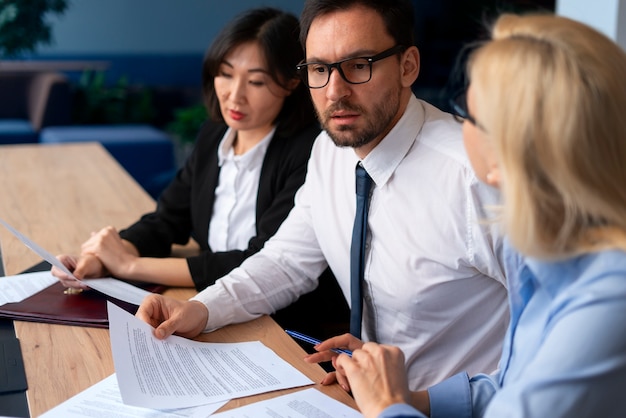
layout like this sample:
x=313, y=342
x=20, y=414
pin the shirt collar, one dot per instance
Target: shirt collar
x=555, y=275
x=252, y=158
x=550, y=274
x=383, y=160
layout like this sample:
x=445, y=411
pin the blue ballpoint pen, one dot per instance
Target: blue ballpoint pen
x=315, y=341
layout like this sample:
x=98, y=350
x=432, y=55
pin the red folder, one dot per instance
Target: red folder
x=52, y=305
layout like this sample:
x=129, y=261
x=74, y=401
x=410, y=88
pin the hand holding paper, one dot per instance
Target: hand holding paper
x=109, y=286
x=177, y=372
x=86, y=265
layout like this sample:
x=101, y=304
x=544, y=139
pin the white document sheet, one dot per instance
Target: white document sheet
x=308, y=403
x=104, y=400
x=37, y=249
x=179, y=373
x=109, y=286
x=118, y=289
x=21, y=286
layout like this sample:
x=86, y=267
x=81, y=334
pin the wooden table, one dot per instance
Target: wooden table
x=56, y=195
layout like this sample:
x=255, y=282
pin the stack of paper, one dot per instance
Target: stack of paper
x=179, y=377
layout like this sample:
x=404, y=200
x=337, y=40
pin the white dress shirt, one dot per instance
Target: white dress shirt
x=233, y=221
x=434, y=283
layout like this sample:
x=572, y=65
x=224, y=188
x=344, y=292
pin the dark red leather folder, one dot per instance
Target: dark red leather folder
x=53, y=305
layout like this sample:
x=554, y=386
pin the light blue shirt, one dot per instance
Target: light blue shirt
x=564, y=354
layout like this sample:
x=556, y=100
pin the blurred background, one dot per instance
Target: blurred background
x=119, y=62
x=149, y=52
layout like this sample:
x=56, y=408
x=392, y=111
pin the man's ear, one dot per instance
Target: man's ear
x=410, y=66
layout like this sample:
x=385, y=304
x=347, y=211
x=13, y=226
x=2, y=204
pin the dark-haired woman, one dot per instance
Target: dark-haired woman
x=238, y=184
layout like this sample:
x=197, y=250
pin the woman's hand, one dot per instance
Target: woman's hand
x=82, y=267
x=377, y=377
x=114, y=253
x=346, y=342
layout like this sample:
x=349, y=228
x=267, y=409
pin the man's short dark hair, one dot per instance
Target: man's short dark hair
x=397, y=15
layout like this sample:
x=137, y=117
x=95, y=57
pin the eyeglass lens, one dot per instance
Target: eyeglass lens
x=460, y=110
x=355, y=71
x=460, y=105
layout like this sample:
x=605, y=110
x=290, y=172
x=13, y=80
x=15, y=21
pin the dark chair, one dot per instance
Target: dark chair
x=30, y=101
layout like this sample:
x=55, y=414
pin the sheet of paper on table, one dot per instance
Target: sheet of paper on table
x=179, y=373
x=307, y=403
x=21, y=286
x=104, y=399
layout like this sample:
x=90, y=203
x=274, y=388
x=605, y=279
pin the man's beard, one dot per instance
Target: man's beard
x=377, y=123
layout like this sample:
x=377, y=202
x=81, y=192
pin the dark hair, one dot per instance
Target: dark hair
x=397, y=15
x=277, y=35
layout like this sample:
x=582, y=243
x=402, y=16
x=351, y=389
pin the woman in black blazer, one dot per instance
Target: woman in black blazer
x=185, y=207
x=257, y=105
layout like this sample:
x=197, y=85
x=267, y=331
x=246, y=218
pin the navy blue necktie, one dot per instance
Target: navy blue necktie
x=357, y=249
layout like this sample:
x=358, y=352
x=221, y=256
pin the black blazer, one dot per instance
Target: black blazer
x=185, y=207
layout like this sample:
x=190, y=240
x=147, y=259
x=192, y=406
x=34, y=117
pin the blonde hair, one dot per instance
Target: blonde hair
x=550, y=93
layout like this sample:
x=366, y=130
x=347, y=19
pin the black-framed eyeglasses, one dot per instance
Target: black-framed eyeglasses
x=458, y=102
x=356, y=70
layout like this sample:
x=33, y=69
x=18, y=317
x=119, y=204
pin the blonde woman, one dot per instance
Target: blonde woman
x=545, y=123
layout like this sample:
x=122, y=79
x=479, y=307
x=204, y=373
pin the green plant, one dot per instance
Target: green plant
x=23, y=25
x=187, y=122
x=95, y=102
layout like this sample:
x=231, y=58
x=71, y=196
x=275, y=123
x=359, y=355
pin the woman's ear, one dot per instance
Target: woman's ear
x=493, y=176
x=285, y=90
x=292, y=84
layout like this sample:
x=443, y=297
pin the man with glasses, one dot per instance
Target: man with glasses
x=431, y=281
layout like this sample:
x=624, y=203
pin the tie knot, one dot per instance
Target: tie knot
x=363, y=181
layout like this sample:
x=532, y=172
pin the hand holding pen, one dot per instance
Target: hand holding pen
x=328, y=350
x=315, y=341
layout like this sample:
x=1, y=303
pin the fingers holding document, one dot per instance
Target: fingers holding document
x=172, y=316
x=81, y=267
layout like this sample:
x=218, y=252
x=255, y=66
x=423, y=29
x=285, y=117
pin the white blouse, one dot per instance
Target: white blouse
x=233, y=222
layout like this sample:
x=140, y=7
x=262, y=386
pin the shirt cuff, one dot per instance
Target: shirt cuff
x=212, y=297
x=451, y=398
x=400, y=410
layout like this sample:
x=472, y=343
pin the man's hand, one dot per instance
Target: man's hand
x=171, y=316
